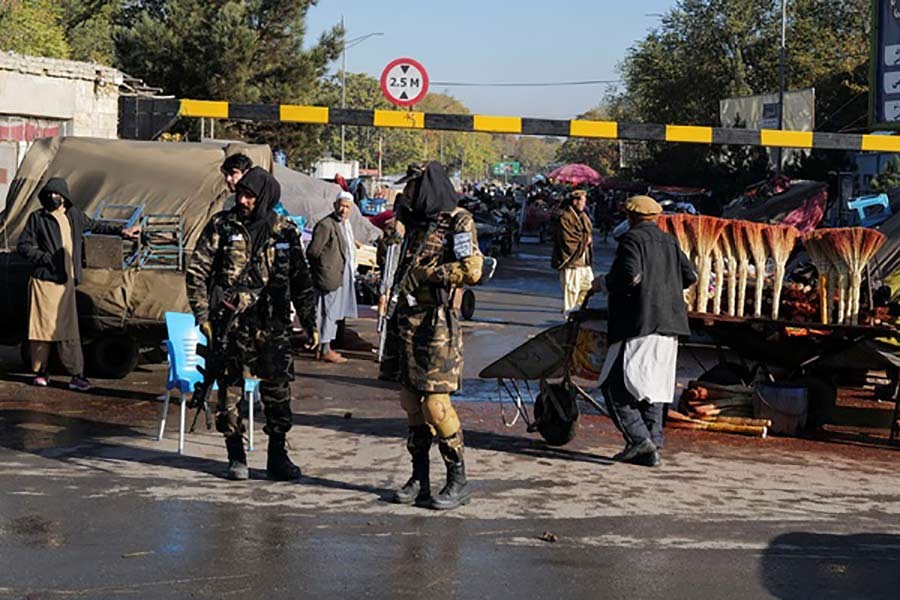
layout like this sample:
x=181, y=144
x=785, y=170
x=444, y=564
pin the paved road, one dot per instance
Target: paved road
x=92, y=506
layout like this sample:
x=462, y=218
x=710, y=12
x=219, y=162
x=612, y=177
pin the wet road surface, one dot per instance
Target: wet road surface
x=92, y=506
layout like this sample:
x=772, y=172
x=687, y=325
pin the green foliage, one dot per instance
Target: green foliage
x=888, y=179
x=469, y=153
x=706, y=50
x=400, y=147
x=90, y=27
x=236, y=50
x=33, y=27
x=601, y=155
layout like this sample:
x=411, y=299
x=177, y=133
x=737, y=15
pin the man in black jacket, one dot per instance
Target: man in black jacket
x=53, y=241
x=647, y=313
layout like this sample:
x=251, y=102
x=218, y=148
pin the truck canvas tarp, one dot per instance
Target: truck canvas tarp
x=166, y=178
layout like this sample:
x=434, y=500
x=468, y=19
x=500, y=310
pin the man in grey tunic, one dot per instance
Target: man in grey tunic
x=332, y=260
x=647, y=313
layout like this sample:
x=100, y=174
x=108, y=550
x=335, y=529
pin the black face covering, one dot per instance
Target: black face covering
x=51, y=202
x=54, y=185
x=435, y=195
x=403, y=209
x=257, y=182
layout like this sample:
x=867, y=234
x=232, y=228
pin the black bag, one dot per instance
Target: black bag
x=556, y=413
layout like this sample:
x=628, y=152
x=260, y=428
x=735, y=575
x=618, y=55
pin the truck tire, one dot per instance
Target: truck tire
x=112, y=356
x=467, y=306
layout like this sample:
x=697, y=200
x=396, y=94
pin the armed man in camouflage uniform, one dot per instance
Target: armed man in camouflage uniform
x=249, y=261
x=424, y=348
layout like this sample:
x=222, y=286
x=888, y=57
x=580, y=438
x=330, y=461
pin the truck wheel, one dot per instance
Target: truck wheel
x=467, y=307
x=112, y=356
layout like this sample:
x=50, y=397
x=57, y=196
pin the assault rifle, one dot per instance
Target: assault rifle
x=213, y=353
x=391, y=260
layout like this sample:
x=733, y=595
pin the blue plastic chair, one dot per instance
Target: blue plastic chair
x=863, y=202
x=184, y=361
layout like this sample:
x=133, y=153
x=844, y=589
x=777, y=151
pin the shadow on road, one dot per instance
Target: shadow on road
x=395, y=429
x=814, y=565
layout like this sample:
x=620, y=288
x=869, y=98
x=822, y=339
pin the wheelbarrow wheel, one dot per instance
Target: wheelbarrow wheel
x=556, y=414
x=467, y=306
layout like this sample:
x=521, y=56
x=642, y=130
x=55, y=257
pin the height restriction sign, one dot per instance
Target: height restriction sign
x=404, y=82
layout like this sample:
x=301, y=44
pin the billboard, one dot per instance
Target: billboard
x=884, y=65
x=509, y=169
x=761, y=112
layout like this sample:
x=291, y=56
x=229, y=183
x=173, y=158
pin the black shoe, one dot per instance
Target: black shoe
x=456, y=492
x=278, y=466
x=418, y=489
x=647, y=460
x=237, y=459
x=631, y=452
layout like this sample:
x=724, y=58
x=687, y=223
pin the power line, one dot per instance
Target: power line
x=541, y=84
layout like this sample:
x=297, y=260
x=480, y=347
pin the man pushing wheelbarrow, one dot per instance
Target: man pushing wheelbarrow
x=647, y=313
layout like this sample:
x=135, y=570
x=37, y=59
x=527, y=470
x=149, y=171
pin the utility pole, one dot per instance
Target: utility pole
x=344, y=46
x=779, y=153
x=380, y=150
x=343, y=81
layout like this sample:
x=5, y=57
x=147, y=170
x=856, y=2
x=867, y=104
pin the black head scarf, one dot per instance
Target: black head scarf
x=54, y=185
x=259, y=183
x=435, y=194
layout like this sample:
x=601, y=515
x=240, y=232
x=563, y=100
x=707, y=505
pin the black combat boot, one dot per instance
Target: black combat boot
x=418, y=489
x=237, y=459
x=456, y=491
x=278, y=466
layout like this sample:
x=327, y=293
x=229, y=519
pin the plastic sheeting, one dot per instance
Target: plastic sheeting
x=306, y=196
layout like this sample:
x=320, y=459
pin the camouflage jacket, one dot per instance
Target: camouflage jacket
x=440, y=257
x=221, y=255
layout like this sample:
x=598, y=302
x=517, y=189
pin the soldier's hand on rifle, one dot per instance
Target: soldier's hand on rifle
x=313, y=339
x=206, y=330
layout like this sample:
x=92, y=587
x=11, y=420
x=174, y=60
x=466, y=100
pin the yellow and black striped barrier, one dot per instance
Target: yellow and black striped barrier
x=576, y=128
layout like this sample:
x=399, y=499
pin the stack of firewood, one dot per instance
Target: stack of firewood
x=723, y=408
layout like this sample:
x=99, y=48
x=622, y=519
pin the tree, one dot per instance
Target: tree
x=33, y=27
x=536, y=154
x=400, y=147
x=601, y=155
x=240, y=51
x=706, y=50
x=468, y=153
x=90, y=29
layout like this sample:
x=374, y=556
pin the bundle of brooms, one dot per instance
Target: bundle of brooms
x=848, y=250
x=724, y=408
x=726, y=248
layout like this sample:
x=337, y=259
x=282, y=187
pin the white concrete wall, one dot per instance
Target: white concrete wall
x=86, y=94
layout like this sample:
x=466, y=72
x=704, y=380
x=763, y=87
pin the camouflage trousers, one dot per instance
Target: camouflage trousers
x=264, y=353
x=423, y=350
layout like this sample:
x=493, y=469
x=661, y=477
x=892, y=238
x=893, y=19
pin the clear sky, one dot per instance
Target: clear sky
x=494, y=41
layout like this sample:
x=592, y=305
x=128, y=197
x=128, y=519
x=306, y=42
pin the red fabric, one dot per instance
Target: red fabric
x=809, y=214
x=339, y=179
x=576, y=174
x=381, y=219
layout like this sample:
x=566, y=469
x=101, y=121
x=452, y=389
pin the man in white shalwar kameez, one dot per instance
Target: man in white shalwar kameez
x=647, y=313
x=332, y=258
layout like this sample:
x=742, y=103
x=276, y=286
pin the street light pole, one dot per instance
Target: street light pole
x=343, y=82
x=344, y=47
x=778, y=155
